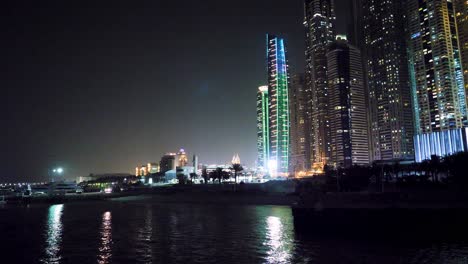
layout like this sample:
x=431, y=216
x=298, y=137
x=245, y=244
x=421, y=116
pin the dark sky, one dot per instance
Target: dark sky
x=102, y=86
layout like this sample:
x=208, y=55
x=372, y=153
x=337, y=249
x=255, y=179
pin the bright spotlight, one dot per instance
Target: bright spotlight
x=272, y=167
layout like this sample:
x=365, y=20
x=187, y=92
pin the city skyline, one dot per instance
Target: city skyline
x=102, y=87
x=105, y=86
x=96, y=93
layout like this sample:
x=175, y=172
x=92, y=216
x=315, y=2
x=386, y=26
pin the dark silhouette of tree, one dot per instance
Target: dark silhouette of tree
x=435, y=166
x=236, y=168
x=355, y=178
x=456, y=168
x=193, y=175
x=225, y=175
x=205, y=175
x=218, y=174
x=181, y=176
x=396, y=169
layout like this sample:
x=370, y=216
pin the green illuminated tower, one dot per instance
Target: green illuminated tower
x=278, y=79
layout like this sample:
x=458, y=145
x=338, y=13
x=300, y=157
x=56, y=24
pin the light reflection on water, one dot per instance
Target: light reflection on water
x=180, y=233
x=145, y=236
x=105, y=249
x=279, y=250
x=54, y=234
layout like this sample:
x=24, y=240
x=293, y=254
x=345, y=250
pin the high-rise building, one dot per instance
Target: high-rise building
x=195, y=162
x=300, y=146
x=461, y=11
x=355, y=28
x=437, y=83
x=278, y=102
x=319, y=26
x=263, y=141
x=182, y=158
x=168, y=162
x=384, y=51
x=235, y=159
x=347, y=106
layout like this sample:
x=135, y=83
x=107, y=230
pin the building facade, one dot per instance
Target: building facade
x=263, y=142
x=437, y=83
x=461, y=11
x=300, y=145
x=168, y=162
x=347, y=106
x=278, y=103
x=386, y=64
x=319, y=30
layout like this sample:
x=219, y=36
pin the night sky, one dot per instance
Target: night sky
x=102, y=86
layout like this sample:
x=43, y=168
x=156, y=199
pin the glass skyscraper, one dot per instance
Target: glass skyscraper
x=319, y=28
x=347, y=106
x=437, y=83
x=386, y=65
x=300, y=147
x=278, y=102
x=461, y=11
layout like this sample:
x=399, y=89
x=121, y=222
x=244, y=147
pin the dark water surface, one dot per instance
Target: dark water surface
x=138, y=230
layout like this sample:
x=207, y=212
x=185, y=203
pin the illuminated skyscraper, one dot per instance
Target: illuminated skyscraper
x=319, y=25
x=385, y=56
x=300, y=146
x=278, y=101
x=347, y=106
x=461, y=10
x=263, y=142
x=437, y=83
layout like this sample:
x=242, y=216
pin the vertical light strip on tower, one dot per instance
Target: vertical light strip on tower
x=278, y=106
x=263, y=143
x=283, y=108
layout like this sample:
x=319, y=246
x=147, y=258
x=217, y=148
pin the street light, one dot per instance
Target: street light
x=56, y=172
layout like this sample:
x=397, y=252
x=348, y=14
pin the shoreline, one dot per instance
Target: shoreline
x=167, y=196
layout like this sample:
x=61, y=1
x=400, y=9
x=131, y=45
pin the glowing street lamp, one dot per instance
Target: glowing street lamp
x=56, y=172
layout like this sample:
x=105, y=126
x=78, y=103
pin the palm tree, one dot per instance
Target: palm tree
x=205, y=175
x=396, y=169
x=193, y=175
x=434, y=164
x=236, y=168
x=217, y=174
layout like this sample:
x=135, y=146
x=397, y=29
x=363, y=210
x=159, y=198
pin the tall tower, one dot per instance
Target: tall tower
x=278, y=100
x=263, y=128
x=347, y=106
x=300, y=146
x=437, y=83
x=461, y=10
x=386, y=63
x=319, y=30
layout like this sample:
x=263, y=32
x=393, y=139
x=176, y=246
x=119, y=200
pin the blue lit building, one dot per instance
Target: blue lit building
x=436, y=77
x=441, y=143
